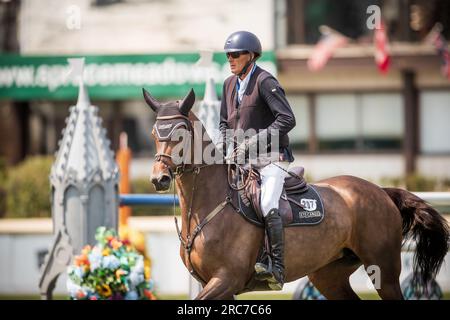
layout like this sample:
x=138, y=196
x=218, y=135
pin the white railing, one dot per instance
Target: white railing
x=435, y=198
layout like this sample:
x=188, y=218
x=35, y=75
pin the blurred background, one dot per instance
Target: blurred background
x=388, y=125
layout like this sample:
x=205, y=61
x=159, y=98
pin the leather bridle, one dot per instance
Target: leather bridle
x=195, y=170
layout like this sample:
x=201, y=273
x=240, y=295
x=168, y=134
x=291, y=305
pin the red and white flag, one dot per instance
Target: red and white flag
x=325, y=48
x=381, y=52
x=436, y=38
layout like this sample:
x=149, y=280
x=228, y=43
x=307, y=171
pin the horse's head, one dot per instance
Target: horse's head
x=171, y=117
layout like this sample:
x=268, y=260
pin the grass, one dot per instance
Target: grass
x=245, y=296
x=284, y=296
x=266, y=296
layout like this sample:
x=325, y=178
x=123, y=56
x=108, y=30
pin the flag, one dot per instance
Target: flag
x=381, y=51
x=325, y=48
x=436, y=38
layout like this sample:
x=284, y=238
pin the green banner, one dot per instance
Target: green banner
x=114, y=77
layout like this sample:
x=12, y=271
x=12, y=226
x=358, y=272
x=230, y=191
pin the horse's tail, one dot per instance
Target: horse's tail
x=427, y=227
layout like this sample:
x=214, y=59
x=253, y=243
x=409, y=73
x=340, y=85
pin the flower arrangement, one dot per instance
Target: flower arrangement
x=111, y=270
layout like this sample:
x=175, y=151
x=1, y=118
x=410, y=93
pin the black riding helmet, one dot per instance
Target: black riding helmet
x=243, y=41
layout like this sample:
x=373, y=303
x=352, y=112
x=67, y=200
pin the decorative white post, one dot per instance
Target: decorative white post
x=209, y=108
x=84, y=186
x=209, y=111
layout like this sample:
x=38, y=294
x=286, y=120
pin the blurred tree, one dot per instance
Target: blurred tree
x=28, y=188
x=14, y=115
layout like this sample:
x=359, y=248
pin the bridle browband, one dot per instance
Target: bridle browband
x=180, y=169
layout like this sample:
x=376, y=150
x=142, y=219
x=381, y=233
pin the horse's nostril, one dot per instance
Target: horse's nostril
x=161, y=183
x=164, y=180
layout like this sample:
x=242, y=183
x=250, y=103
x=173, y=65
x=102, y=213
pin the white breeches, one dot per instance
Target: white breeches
x=272, y=180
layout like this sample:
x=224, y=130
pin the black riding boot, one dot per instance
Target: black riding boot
x=275, y=275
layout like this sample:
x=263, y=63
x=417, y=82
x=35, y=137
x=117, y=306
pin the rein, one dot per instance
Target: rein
x=239, y=171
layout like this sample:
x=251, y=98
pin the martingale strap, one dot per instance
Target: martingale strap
x=190, y=237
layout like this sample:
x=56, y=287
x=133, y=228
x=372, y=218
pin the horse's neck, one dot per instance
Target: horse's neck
x=201, y=193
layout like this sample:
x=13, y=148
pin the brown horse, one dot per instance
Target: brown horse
x=364, y=225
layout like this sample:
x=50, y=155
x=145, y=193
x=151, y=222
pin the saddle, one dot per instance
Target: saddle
x=299, y=204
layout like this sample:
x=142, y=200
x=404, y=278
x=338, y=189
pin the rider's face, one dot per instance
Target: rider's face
x=237, y=63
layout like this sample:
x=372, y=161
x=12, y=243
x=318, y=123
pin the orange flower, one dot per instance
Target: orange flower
x=106, y=251
x=77, y=261
x=119, y=273
x=149, y=294
x=81, y=260
x=116, y=244
x=86, y=250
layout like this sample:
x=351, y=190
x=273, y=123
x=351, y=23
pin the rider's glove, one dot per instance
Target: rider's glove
x=249, y=147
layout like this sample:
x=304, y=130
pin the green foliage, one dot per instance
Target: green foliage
x=2, y=172
x=2, y=187
x=28, y=188
x=417, y=182
x=143, y=185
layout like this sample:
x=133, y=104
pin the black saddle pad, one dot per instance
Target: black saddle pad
x=307, y=208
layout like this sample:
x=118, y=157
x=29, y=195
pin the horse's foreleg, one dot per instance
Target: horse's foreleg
x=218, y=288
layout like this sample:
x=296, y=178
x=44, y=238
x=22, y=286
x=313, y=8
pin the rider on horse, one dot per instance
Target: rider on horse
x=253, y=99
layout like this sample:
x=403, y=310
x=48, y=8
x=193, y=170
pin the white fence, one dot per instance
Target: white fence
x=437, y=199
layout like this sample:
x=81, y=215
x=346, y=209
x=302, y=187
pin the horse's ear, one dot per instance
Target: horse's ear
x=152, y=102
x=187, y=103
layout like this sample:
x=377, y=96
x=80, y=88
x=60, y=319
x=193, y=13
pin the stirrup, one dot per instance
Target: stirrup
x=263, y=271
x=274, y=283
